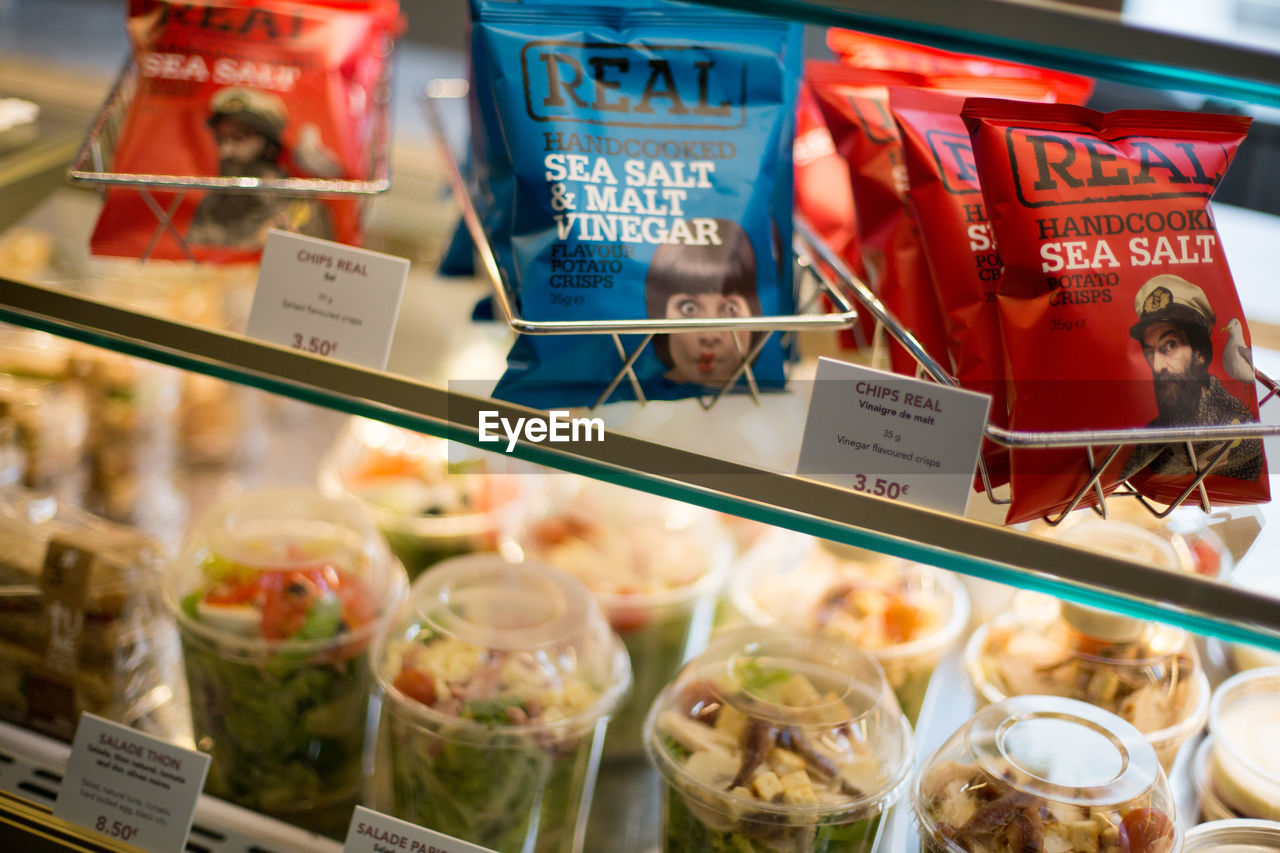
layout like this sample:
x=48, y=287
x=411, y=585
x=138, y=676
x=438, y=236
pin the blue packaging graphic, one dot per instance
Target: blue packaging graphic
x=633, y=161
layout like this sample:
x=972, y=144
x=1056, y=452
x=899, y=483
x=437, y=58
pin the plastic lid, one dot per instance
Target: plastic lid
x=284, y=566
x=627, y=545
x=1233, y=836
x=1152, y=678
x=1129, y=542
x=1047, y=755
x=769, y=722
x=415, y=482
x=480, y=635
x=892, y=608
x=1245, y=720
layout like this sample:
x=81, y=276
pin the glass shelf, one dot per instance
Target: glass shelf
x=1044, y=32
x=770, y=496
x=739, y=457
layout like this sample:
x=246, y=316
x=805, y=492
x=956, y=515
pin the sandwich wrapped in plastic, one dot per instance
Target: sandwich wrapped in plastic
x=82, y=627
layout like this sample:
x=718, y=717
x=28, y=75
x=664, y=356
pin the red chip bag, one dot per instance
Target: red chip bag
x=259, y=88
x=863, y=50
x=961, y=253
x=958, y=245
x=823, y=195
x=1116, y=307
x=855, y=104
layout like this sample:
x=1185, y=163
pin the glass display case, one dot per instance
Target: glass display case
x=738, y=457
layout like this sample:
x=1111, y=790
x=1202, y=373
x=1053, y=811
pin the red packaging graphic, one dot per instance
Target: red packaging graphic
x=823, y=195
x=257, y=88
x=1116, y=306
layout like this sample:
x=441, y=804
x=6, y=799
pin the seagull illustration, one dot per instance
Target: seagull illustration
x=1236, y=358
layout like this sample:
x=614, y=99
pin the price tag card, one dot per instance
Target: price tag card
x=374, y=832
x=892, y=436
x=131, y=786
x=327, y=298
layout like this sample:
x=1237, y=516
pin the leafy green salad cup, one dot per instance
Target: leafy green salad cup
x=277, y=597
x=906, y=615
x=775, y=741
x=499, y=680
x=432, y=499
x=655, y=566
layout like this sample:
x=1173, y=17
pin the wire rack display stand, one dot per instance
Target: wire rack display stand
x=93, y=165
x=1106, y=443
x=811, y=284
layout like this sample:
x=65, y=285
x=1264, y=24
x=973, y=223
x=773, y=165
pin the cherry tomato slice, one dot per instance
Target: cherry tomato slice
x=416, y=684
x=1145, y=831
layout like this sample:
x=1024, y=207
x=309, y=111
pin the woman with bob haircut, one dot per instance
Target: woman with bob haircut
x=697, y=282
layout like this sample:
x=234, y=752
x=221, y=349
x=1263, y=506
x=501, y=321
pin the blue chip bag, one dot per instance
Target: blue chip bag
x=633, y=161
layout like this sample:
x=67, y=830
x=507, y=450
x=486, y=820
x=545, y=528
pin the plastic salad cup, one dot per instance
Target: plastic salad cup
x=1233, y=836
x=904, y=614
x=655, y=566
x=432, y=499
x=1240, y=767
x=499, y=680
x=1045, y=773
x=277, y=596
x=1149, y=674
x=771, y=741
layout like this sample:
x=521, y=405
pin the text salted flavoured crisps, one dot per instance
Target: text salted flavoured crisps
x=1116, y=307
x=634, y=162
x=245, y=88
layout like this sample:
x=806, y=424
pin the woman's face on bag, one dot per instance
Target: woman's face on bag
x=707, y=356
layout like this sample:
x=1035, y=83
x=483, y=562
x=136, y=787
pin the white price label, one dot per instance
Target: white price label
x=374, y=832
x=130, y=786
x=327, y=298
x=892, y=436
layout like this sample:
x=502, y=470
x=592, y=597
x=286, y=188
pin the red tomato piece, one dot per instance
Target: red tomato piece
x=1145, y=831
x=416, y=684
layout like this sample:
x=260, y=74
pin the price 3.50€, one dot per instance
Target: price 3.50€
x=315, y=345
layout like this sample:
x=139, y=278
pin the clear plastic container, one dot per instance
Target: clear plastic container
x=1243, y=764
x=1045, y=773
x=1211, y=808
x=499, y=680
x=1149, y=674
x=1233, y=836
x=772, y=740
x=82, y=627
x=905, y=614
x=278, y=595
x=654, y=565
x=1182, y=541
x=432, y=499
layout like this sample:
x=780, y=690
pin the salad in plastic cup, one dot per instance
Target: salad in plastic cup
x=904, y=614
x=499, y=680
x=431, y=498
x=277, y=596
x=1049, y=774
x=654, y=565
x=1233, y=836
x=1239, y=770
x=1147, y=673
x=1182, y=541
x=777, y=741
